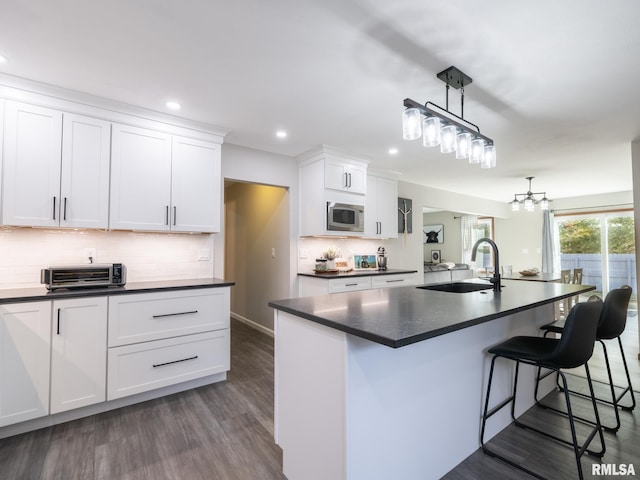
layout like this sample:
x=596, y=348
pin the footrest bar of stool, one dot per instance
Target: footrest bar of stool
x=581, y=448
x=576, y=417
x=498, y=407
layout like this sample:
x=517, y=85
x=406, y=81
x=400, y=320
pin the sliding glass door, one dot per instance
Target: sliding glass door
x=602, y=245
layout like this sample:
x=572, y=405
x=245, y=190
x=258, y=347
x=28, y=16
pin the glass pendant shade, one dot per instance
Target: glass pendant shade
x=411, y=124
x=490, y=155
x=464, y=145
x=431, y=131
x=449, y=139
x=529, y=204
x=544, y=203
x=477, y=150
x=515, y=205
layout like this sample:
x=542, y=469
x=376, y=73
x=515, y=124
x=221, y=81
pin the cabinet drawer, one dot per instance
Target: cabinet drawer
x=387, y=281
x=349, y=284
x=153, y=316
x=138, y=368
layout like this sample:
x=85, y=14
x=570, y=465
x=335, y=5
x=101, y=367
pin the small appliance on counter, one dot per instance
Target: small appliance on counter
x=83, y=276
x=382, y=258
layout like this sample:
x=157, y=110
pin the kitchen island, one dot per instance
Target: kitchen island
x=388, y=383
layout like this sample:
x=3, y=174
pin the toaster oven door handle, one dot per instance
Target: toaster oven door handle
x=174, y=314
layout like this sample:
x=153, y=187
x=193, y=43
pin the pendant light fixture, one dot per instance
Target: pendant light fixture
x=528, y=200
x=439, y=126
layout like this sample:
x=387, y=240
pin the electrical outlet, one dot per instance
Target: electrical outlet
x=89, y=255
x=203, y=254
x=304, y=253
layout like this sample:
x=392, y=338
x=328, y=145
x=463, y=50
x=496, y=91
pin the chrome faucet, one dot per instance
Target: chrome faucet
x=495, y=280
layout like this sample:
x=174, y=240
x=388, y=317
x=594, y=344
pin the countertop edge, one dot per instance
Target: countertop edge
x=356, y=273
x=37, y=294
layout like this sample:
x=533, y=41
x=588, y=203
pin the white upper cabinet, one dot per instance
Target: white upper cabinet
x=32, y=156
x=140, y=179
x=381, y=211
x=195, y=186
x=161, y=182
x=56, y=168
x=344, y=175
x=84, y=184
x=78, y=353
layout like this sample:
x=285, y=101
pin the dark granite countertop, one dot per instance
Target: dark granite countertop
x=34, y=294
x=357, y=273
x=401, y=316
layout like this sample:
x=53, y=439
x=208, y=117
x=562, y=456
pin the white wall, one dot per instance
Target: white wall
x=451, y=248
x=256, y=227
x=147, y=256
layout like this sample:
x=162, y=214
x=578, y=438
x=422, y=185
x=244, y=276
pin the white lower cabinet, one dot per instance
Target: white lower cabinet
x=78, y=353
x=159, y=339
x=141, y=367
x=310, y=286
x=25, y=333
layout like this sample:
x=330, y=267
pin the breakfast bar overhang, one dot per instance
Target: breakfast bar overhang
x=389, y=383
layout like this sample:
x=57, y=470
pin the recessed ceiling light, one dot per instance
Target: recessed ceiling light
x=3, y=59
x=281, y=134
x=173, y=105
x=393, y=151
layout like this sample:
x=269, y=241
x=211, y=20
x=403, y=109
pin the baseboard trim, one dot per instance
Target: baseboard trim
x=252, y=324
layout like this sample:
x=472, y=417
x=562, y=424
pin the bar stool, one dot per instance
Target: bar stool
x=571, y=350
x=612, y=323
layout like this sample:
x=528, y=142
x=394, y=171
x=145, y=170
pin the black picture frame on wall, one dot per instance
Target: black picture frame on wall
x=433, y=233
x=436, y=256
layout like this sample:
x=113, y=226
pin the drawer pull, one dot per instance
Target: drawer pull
x=175, y=361
x=174, y=314
x=350, y=284
x=392, y=281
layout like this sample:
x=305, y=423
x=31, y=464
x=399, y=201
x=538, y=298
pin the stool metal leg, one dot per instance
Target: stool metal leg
x=578, y=450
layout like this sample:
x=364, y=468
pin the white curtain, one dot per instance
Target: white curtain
x=550, y=247
x=470, y=234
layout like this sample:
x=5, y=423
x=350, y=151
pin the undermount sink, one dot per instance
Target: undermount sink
x=458, y=287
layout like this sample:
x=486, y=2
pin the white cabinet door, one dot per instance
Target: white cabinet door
x=31, y=178
x=25, y=332
x=78, y=353
x=195, y=186
x=388, y=207
x=345, y=176
x=84, y=186
x=381, y=211
x=140, y=179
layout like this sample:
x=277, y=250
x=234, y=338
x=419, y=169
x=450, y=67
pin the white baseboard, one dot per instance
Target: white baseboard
x=252, y=324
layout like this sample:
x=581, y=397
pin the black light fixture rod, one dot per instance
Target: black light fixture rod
x=427, y=109
x=462, y=102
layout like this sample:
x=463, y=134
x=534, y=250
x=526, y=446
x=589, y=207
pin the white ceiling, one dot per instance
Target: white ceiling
x=555, y=83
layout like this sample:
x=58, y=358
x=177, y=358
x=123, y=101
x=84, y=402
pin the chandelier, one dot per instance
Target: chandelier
x=529, y=200
x=439, y=126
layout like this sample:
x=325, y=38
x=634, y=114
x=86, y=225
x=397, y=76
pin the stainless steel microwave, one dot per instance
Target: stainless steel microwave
x=343, y=217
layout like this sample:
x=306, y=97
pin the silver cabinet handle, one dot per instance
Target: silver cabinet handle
x=174, y=314
x=346, y=180
x=166, y=215
x=64, y=217
x=349, y=180
x=174, y=361
x=350, y=284
x=58, y=328
x=54, y=208
x=175, y=210
x=393, y=281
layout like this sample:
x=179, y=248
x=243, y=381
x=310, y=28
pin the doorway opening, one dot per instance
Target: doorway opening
x=257, y=249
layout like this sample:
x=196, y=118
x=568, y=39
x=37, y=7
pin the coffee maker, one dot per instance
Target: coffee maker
x=381, y=259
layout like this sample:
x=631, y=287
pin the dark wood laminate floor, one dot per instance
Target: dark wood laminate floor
x=222, y=431
x=225, y=431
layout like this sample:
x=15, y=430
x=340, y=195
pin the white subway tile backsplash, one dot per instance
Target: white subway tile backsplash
x=148, y=256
